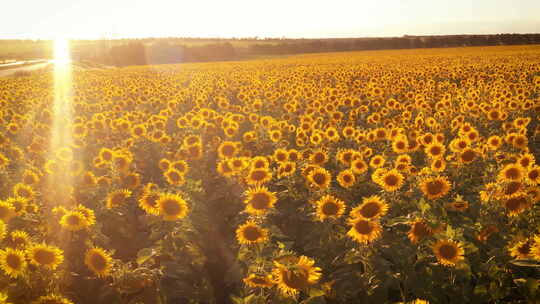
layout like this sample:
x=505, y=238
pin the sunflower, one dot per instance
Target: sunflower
x=458, y=205
x=512, y=189
x=418, y=231
x=435, y=150
x=121, y=161
x=286, y=169
x=148, y=202
x=494, y=142
x=174, y=177
x=52, y=299
x=12, y=262
x=4, y=161
x=390, y=180
x=172, y=207
x=377, y=161
x=535, y=250
x=319, y=178
x=319, y=157
x=438, y=165
x=372, y=207
x=238, y=164
x=19, y=204
x=521, y=249
x=194, y=152
x=7, y=211
x=363, y=230
x=511, y=172
x=259, y=200
x=164, y=164
x=4, y=298
x=73, y=221
x=181, y=166
x=260, y=162
x=295, y=276
x=346, y=156
x=259, y=281
x=98, y=261
x=346, y=178
x=533, y=175
x=106, y=154
x=516, y=204
x=467, y=156
x=30, y=177
x=224, y=169
x=329, y=207
x=117, y=198
x=448, y=252
x=19, y=239
x=24, y=191
x=45, y=255
x=88, y=214
x=281, y=155
x=250, y=233
x=526, y=160
x=400, y=144
x=259, y=176
x=131, y=180
x=359, y=166
x=435, y=187
x=3, y=230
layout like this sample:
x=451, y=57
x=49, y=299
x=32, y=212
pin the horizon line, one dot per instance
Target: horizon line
x=267, y=38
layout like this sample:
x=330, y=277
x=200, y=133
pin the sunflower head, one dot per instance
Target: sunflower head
x=172, y=207
x=448, y=252
x=364, y=230
x=98, y=261
x=372, y=207
x=44, y=255
x=295, y=275
x=259, y=200
x=259, y=176
x=74, y=221
x=435, y=187
x=419, y=230
x=319, y=178
x=346, y=178
x=512, y=172
x=250, y=233
x=389, y=180
x=117, y=198
x=12, y=262
x=329, y=207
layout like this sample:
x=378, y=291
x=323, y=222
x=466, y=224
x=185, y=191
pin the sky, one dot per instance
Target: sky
x=94, y=19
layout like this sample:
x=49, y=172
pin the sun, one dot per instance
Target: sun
x=61, y=51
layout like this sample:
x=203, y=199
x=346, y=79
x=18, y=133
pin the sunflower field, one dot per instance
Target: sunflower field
x=364, y=177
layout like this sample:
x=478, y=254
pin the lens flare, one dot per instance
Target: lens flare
x=61, y=133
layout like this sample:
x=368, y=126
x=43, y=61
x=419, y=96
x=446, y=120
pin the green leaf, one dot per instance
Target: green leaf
x=480, y=290
x=144, y=255
x=450, y=233
x=424, y=206
x=237, y=300
x=526, y=263
x=400, y=220
x=315, y=292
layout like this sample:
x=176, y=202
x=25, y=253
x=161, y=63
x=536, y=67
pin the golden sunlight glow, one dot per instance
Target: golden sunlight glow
x=61, y=51
x=61, y=134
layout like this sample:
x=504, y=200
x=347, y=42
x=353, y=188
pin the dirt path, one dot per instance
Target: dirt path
x=28, y=68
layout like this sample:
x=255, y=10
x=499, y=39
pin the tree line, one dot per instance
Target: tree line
x=126, y=52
